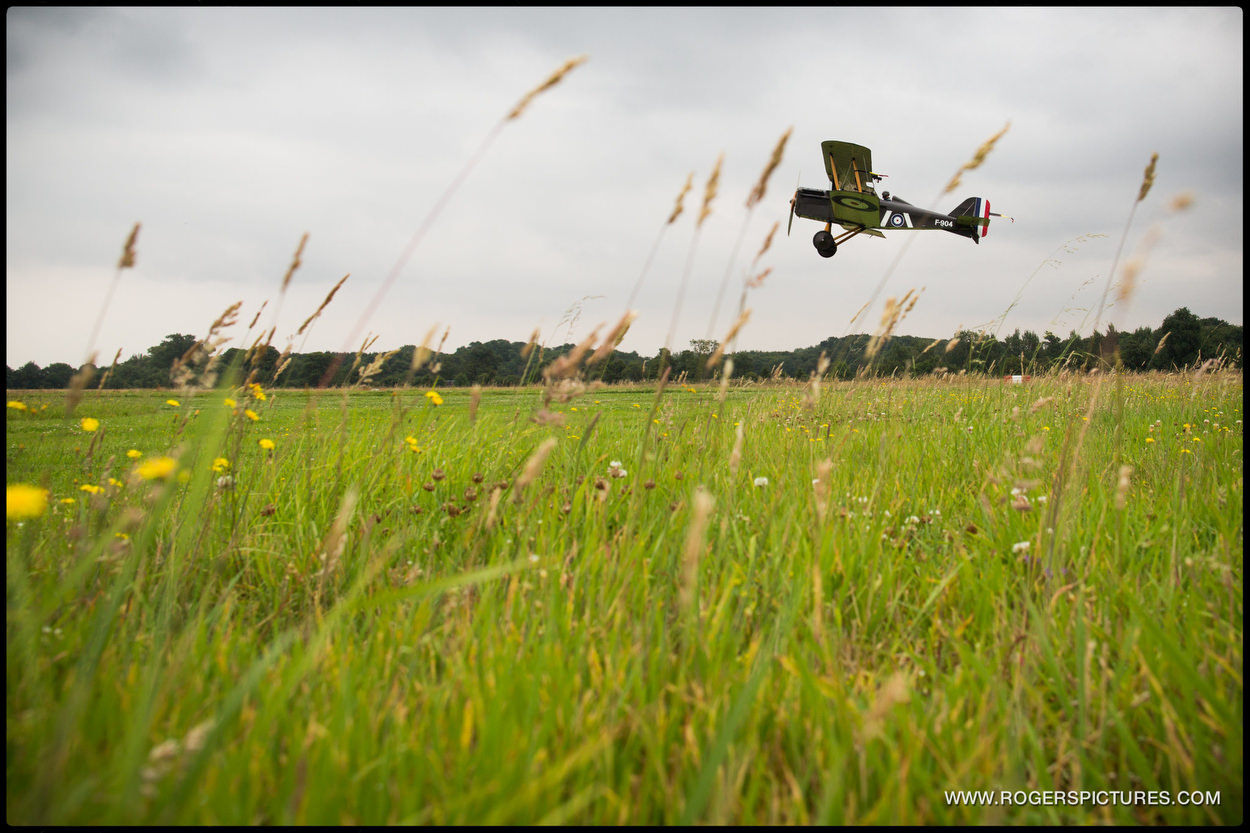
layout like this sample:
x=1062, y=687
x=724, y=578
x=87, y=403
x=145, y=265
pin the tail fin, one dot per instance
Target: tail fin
x=973, y=214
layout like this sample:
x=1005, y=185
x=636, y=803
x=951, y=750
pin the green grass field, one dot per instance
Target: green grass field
x=772, y=605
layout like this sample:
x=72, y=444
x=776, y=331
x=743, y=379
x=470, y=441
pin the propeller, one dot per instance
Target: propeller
x=792, y=199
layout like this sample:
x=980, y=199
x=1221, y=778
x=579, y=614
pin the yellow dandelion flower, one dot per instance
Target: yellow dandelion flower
x=90, y=488
x=266, y=444
x=17, y=406
x=434, y=397
x=158, y=468
x=250, y=414
x=221, y=464
x=90, y=424
x=134, y=454
x=257, y=393
x=23, y=501
x=113, y=481
x=230, y=403
x=1150, y=439
x=68, y=501
x=173, y=403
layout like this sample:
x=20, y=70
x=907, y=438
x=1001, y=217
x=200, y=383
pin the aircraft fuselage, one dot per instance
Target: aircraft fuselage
x=820, y=205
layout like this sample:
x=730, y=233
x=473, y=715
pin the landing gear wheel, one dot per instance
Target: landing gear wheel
x=824, y=243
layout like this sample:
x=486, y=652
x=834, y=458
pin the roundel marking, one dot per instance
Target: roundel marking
x=897, y=220
x=853, y=202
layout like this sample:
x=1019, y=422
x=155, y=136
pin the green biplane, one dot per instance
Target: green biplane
x=853, y=204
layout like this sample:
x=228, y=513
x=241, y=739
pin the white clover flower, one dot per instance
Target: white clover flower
x=912, y=519
x=761, y=482
x=1020, y=546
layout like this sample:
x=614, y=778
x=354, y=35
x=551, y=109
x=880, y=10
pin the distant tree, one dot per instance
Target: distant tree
x=57, y=375
x=479, y=365
x=704, y=346
x=307, y=369
x=1184, y=340
x=1052, y=348
x=1136, y=348
x=27, y=377
x=163, y=356
x=957, y=356
x=1221, y=339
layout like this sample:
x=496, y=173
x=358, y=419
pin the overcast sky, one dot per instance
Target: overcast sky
x=229, y=133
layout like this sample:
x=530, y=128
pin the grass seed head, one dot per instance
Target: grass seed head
x=685, y=189
x=709, y=191
x=1148, y=178
x=768, y=241
x=332, y=546
x=534, y=465
x=127, y=260
x=1181, y=202
x=726, y=373
x=295, y=262
x=729, y=337
x=1122, y=486
x=695, y=535
x=324, y=304
x=977, y=159
x=757, y=193
x=530, y=345
x=78, y=383
x=758, y=281
x=735, y=456
x=555, y=78
x=613, y=338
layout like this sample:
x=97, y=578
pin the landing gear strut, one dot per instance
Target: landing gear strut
x=827, y=245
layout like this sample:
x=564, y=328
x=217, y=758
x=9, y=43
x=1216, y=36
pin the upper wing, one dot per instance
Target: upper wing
x=847, y=165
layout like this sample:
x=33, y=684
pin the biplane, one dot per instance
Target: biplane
x=853, y=204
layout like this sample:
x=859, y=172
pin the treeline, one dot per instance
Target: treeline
x=1180, y=341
